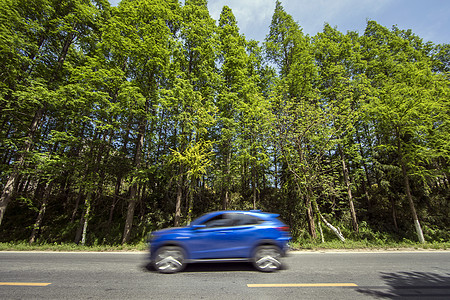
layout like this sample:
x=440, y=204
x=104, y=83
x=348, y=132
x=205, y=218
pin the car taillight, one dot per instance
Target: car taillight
x=283, y=228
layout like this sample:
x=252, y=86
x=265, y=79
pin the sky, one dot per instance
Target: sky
x=428, y=19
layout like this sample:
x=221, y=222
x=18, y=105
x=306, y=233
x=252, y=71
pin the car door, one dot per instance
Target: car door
x=223, y=236
x=211, y=241
x=244, y=234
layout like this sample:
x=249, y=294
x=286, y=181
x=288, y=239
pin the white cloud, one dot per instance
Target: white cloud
x=428, y=19
x=252, y=15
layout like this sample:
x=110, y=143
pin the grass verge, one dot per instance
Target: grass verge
x=368, y=245
x=69, y=247
x=299, y=245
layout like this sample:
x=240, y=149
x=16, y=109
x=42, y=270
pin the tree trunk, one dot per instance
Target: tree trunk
x=335, y=230
x=134, y=186
x=77, y=204
x=13, y=178
x=115, y=200
x=86, y=219
x=62, y=56
x=254, y=186
x=7, y=193
x=364, y=184
x=310, y=214
x=191, y=201
x=178, y=203
x=321, y=231
x=79, y=231
x=226, y=198
x=411, y=205
x=11, y=182
x=132, y=202
x=349, y=191
x=394, y=214
x=408, y=191
x=40, y=217
x=130, y=214
x=311, y=224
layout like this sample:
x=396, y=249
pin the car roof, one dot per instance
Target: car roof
x=256, y=213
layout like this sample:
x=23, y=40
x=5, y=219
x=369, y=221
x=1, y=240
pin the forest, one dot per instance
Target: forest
x=116, y=121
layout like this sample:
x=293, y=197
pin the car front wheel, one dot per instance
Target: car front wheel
x=169, y=259
x=267, y=258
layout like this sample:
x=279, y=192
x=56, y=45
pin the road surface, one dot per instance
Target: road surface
x=307, y=275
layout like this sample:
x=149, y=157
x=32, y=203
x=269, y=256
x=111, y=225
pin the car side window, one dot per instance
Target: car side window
x=244, y=219
x=222, y=220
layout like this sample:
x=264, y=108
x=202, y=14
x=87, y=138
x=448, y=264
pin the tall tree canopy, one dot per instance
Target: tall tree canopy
x=116, y=121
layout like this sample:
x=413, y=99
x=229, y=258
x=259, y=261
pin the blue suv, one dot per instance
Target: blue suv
x=221, y=236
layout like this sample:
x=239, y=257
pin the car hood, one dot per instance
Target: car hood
x=169, y=230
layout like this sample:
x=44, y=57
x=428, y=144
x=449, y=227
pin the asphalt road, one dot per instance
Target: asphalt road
x=307, y=275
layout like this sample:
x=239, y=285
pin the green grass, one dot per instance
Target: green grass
x=64, y=247
x=298, y=245
x=368, y=245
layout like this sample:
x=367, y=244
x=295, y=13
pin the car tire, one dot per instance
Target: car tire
x=267, y=258
x=169, y=259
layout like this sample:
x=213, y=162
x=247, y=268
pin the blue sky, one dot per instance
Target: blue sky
x=429, y=19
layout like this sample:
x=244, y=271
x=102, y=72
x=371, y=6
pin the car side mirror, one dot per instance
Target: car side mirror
x=198, y=226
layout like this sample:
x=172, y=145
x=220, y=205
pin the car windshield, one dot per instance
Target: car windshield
x=227, y=219
x=201, y=220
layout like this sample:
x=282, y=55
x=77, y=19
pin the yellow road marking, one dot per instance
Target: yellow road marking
x=302, y=285
x=25, y=283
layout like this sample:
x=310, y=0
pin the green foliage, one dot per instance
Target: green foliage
x=195, y=159
x=116, y=121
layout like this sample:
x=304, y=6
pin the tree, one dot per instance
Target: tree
x=407, y=106
x=43, y=37
x=189, y=97
x=116, y=121
x=294, y=105
x=195, y=160
x=143, y=30
x=233, y=75
x=341, y=85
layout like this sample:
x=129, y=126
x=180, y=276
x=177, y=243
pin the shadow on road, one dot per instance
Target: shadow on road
x=211, y=267
x=403, y=285
x=220, y=267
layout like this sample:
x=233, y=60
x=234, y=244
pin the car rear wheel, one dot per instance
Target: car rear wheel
x=267, y=258
x=169, y=259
